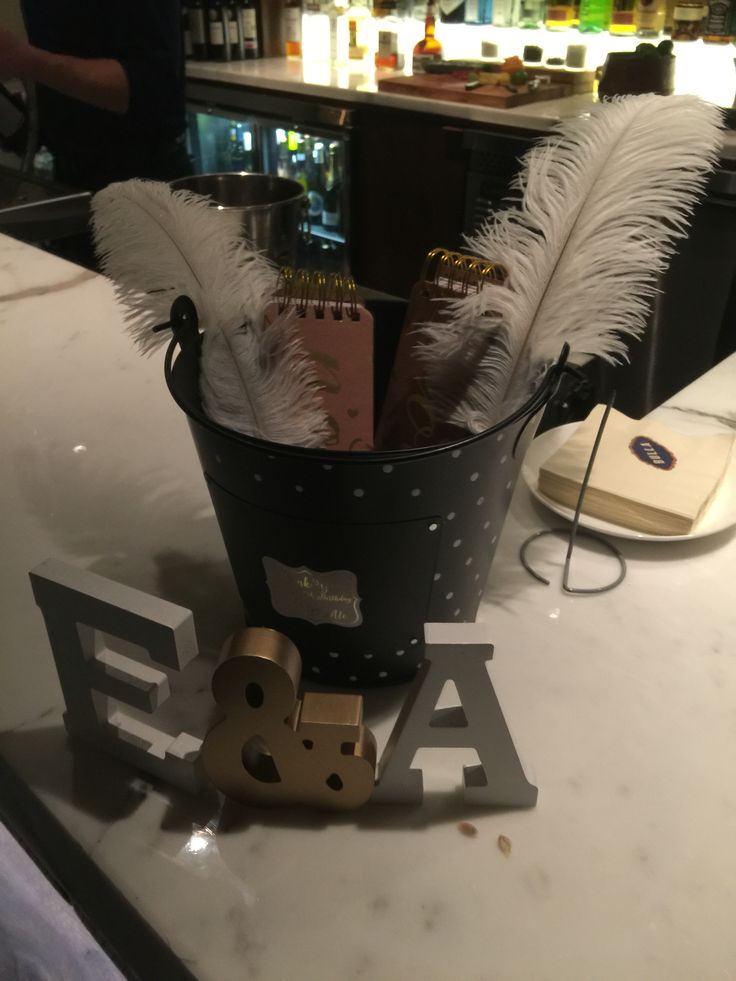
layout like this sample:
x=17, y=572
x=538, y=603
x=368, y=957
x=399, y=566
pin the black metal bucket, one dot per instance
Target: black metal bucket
x=350, y=554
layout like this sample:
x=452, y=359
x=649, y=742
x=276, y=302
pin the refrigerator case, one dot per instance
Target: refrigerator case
x=220, y=144
x=221, y=140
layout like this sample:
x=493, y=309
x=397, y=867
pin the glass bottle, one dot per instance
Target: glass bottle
x=233, y=30
x=293, y=29
x=720, y=23
x=505, y=13
x=359, y=28
x=217, y=31
x=388, y=51
x=186, y=35
x=531, y=13
x=316, y=30
x=669, y=15
x=429, y=48
x=282, y=153
x=43, y=164
x=248, y=15
x=293, y=140
x=300, y=164
x=559, y=16
x=315, y=180
x=479, y=11
x=198, y=29
x=338, y=32
x=649, y=17
x=240, y=159
x=622, y=18
x=452, y=11
x=595, y=16
x=688, y=21
x=331, y=197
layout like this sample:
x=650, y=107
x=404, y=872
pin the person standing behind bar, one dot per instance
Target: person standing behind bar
x=110, y=87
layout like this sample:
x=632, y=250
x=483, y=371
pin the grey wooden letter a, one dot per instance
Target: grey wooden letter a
x=455, y=652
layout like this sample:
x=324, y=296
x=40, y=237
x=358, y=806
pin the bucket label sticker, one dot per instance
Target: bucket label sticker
x=318, y=597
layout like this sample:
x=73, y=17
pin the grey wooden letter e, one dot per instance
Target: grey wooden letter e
x=78, y=608
x=457, y=652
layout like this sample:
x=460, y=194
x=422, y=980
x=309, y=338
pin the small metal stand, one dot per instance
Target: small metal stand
x=575, y=531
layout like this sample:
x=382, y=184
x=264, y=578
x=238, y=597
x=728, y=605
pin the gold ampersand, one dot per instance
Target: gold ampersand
x=272, y=748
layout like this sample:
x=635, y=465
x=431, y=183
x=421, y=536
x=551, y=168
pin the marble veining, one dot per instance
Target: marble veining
x=68, y=284
x=728, y=421
x=621, y=706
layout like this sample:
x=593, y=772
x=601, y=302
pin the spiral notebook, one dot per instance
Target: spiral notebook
x=336, y=330
x=407, y=420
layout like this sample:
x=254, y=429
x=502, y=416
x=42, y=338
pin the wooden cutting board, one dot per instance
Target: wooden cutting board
x=450, y=89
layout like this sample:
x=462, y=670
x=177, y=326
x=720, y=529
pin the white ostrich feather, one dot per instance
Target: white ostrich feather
x=244, y=385
x=602, y=202
x=158, y=244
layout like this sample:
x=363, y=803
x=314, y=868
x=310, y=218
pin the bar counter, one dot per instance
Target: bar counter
x=322, y=82
x=622, y=706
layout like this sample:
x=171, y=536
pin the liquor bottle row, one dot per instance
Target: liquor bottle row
x=684, y=19
x=220, y=30
x=360, y=29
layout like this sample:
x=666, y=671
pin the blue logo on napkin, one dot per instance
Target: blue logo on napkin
x=656, y=455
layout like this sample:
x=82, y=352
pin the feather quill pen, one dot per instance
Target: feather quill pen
x=602, y=202
x=157, y=244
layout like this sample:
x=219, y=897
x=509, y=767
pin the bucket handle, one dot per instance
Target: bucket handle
x=558, y=371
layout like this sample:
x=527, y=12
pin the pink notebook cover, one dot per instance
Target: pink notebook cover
x=342, y=350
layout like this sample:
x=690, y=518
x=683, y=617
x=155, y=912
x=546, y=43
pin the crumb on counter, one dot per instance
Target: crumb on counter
x=504, y=845
x=467, y=829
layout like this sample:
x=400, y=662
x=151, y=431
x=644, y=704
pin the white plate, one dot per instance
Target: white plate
x=719, y=515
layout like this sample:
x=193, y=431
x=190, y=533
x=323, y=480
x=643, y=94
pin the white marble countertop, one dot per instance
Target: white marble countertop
x=622, y=706
x=323, y=81
x=320, y=80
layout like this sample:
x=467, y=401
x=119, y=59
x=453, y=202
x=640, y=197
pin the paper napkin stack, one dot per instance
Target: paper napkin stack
x=646, y=476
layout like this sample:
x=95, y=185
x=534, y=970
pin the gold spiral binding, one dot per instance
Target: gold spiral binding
x=283, y=288
x=455, y=269
x=303, y=289
x=303, y=292
x=335, y=295
x=319, y=294
x=352, y=297
x=460, y=273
